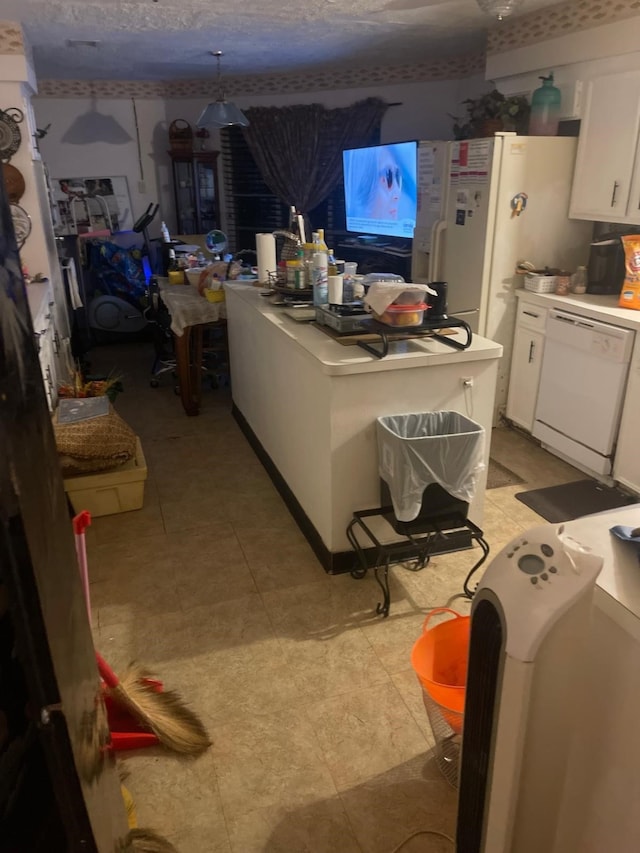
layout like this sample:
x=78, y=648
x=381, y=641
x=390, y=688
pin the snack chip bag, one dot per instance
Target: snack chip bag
x=630, y=293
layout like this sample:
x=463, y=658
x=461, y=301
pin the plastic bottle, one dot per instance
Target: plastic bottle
x=333, y=268
x=545, y=109
x=165, y=233
x=579, y=280
x=323, y=245
x=320, y=278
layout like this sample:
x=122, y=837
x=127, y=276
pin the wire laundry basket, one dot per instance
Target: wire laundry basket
x=447, y=741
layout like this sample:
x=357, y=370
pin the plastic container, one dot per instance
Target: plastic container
x=410, y=297
x=545, y=109
x=110, y=492
x=440, y=658
x=403, y=315
x=579, y=280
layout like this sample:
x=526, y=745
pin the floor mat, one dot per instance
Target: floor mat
x=573, y=500
x=498, y=476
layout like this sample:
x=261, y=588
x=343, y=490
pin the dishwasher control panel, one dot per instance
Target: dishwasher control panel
x=603, y=341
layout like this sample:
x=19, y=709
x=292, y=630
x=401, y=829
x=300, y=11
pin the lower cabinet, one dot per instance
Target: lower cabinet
x=526, y=364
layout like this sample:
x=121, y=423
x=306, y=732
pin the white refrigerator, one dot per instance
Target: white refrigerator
x=506, y=199
x=434, y=158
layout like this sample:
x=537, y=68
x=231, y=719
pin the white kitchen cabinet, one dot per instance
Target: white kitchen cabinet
x=606, y=183
x=526, y=364
x=626, y=463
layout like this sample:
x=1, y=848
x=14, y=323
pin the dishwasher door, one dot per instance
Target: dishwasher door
x=584, y=374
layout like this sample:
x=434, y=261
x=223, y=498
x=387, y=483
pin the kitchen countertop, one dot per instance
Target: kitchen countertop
x=595, y=306
x=336, y=359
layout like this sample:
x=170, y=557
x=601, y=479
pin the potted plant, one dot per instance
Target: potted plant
x=515, y=113
x=484, y=116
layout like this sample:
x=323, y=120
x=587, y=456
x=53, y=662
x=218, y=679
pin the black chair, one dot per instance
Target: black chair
x=159, y=319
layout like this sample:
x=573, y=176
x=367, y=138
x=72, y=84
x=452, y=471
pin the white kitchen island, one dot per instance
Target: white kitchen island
x=309, y=405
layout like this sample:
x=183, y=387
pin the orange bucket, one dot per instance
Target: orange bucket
x=439, y=658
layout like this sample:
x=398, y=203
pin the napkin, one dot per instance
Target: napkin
x=382, y=293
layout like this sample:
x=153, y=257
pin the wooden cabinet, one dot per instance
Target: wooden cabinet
x=526, y=364
x=195, y=184
x=606, y=184
x=626, y=463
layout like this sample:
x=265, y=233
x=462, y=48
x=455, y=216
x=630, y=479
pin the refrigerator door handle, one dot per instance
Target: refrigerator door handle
x=435, y=254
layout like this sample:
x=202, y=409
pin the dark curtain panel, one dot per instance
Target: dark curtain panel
x=299, y=149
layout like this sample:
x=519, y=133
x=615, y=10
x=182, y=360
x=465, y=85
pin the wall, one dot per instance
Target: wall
x=102, y=159
x=574, y=58
x=422, y=114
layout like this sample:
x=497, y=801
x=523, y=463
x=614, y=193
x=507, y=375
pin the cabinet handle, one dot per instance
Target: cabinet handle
x=532, y=347
x=56, y=342
x=531, y=314
x=613, y=194
x=49, y=379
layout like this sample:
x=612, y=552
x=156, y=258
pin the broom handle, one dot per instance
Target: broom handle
x=80, y=524
x=106, y=673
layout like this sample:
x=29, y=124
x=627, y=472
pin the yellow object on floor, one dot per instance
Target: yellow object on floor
x=214, y=295
x=110, y=492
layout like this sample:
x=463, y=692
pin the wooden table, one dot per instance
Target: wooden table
x=190, y=315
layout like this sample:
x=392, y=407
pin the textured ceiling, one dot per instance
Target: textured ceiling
x=171, y=39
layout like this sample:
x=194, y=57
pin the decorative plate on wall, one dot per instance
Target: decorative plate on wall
x=10, y=136
x=14, y=182
x=21, y=224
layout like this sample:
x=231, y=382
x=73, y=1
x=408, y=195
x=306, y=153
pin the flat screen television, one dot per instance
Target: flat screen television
x=380, y=189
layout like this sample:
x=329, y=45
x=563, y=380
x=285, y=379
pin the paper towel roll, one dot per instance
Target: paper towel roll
x=266, y=250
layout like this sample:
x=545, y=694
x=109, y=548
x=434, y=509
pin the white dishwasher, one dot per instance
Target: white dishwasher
x=582, y=383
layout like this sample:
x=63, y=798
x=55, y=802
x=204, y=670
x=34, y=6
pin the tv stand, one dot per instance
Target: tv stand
x=372, y=257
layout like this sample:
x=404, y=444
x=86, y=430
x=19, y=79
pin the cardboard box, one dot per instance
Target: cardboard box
x=110, y=492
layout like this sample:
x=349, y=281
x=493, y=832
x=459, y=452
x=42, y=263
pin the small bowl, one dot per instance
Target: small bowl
x=193, y=274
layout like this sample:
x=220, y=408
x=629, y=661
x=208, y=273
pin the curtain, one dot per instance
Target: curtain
x=299, y=149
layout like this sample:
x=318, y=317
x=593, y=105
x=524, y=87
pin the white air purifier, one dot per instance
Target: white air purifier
x=526, y=682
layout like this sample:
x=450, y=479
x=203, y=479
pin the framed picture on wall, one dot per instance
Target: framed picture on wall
x=92, y=204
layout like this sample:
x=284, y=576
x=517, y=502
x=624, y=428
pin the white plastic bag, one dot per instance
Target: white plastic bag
x=416, y=450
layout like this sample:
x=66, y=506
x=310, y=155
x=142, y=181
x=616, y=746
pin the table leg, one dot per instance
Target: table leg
x=196, y=365
x=184, y=366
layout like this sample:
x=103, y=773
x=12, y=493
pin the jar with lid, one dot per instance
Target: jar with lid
x=293, y=274
x=563, y=283
x=579, y=280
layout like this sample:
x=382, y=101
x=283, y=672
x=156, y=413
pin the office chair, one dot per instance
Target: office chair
x=159, y=319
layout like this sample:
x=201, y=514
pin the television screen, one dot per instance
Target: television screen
x=380, y=189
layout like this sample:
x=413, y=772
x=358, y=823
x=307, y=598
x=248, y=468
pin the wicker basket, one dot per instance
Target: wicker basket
x=180, y=137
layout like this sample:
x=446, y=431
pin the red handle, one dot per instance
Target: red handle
x=81, y=522
x=106, y=673
x=435, y=612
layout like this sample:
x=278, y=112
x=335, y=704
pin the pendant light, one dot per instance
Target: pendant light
x=499, y=9
x=221, y=113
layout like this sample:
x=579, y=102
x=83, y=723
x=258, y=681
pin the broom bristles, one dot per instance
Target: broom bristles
x=174, y=724
x=146, y=841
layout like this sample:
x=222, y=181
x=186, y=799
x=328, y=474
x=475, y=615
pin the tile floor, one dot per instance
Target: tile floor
x=320, y=738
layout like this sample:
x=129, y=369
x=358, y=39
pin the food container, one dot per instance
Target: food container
x=563, y=284
x=403, y=315
x=410, y=296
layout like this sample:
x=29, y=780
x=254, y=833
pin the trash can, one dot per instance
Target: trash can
x=429, y=464
x=439, y=658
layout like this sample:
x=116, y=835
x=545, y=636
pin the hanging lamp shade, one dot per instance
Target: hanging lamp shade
x=499, y=9
x=221, y=113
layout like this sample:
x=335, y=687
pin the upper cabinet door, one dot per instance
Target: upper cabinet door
x=607, y=148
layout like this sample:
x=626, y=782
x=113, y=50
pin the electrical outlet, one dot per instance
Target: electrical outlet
x=142, y=187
